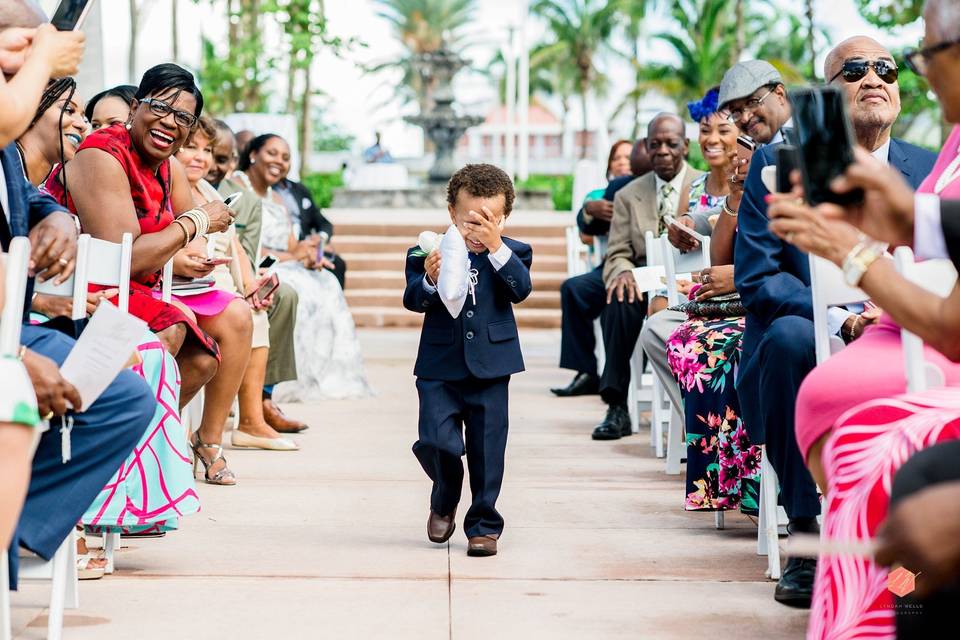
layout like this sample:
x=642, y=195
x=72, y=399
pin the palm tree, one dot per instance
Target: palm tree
x=635, y=12
x=786, y=47
x=422, y=26
x=579, y=30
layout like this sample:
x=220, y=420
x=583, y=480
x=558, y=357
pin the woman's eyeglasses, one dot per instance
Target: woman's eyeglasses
x=918, y=60
x=856, y=70
x=161, y=109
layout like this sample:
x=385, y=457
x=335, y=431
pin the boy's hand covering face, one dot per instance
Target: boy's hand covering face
x=482, y=231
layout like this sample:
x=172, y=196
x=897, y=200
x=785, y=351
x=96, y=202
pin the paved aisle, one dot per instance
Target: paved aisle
x=330, y=542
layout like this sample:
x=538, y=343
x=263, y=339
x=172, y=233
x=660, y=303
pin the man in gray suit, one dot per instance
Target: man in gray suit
x=639, y=207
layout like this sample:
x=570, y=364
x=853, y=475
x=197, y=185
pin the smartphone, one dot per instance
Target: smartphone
x=70, y=14
x=747, y=143
x=267, y=262
x=217, y=261
x=788, y=160
x=233, y=197
x=322, y=246
x=267, y=286
x=825, y=142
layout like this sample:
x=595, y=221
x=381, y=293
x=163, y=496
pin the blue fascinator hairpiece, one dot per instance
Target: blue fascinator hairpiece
x=704, y=107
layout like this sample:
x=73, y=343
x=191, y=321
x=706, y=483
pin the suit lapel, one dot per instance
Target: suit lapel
x=13, y=172
x=898, y=159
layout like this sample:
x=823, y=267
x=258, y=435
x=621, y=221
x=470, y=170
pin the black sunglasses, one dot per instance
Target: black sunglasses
x=856, y=70
x=918, y=59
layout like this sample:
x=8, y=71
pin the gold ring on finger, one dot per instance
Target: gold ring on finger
x=790, y=237
x=48, y=416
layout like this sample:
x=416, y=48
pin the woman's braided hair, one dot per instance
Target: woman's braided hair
x=53, y=92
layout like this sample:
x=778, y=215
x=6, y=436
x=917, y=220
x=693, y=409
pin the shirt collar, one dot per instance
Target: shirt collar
x=677, y=181
x=882, y=153
x=778, y=136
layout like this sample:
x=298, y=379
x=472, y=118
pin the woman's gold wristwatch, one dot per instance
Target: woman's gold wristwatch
x=864, y=254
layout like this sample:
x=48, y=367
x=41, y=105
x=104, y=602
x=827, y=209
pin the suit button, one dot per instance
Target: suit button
x=469, y=314
x=469, y=335
x=513, y=284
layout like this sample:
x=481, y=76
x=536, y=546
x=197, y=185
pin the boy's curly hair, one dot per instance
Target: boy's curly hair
x=482, y=181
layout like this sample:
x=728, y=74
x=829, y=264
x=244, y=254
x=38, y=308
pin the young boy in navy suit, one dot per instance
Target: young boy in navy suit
x=464, y=364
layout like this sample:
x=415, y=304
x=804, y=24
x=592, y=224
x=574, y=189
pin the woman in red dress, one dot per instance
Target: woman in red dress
x=122, y=180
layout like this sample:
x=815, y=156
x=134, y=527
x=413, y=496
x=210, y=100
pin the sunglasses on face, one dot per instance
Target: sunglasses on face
x=856, y=70
x=161, y=109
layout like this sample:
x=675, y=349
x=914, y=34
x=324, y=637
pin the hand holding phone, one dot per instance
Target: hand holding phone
x=217, y=261
x=232, y=198
x=70, y=14
x=264, y=289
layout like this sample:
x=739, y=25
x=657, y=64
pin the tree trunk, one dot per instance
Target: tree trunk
x=635, y=130
x=811, y=31
x=306, y=143
x=583, y=139
x=132, y=53
x=739, y=41
x=291, y=83
x=175, y=28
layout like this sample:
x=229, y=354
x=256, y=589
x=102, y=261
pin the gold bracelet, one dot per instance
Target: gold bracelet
x=186, y=233
x=22, y=352
x=730, y=212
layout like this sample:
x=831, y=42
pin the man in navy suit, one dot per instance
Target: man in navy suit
x=773, y=280
x=464, y=364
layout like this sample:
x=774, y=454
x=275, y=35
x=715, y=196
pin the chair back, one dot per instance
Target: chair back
x=15, y=288
x=650, y=277
x=938, y=277
x=98, y=262
x=677, y=264
x=586, y=176
x=829, y=289
x=166, y=281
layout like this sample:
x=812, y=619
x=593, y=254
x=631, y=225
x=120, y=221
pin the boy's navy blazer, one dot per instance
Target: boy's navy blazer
x=773, y=276
x=483, y=341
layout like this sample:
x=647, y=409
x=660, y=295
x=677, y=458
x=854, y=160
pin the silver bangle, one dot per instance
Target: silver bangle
x=730, y=212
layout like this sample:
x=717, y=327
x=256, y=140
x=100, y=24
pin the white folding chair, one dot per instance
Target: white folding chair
x=939, y=278
x=104, y=263
x=644, y=392
x=62, y=569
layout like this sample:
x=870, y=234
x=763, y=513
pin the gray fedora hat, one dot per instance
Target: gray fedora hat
x=744, y=78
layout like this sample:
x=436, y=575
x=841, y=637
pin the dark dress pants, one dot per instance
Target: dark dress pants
x=622, y=322
x=933, y=616
x=582, y=299
x=102, y=438
x=447, y=410
x=769, y=380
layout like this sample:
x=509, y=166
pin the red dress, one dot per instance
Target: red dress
x=151, y=198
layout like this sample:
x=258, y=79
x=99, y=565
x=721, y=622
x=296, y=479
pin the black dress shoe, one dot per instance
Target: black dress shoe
x=795, y=588
x=583, y=384
x=615, y=425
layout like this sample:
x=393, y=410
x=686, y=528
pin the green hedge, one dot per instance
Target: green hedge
x=560, y=188
x=321, y=186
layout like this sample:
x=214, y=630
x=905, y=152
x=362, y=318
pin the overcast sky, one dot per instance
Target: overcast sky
x=355, y=98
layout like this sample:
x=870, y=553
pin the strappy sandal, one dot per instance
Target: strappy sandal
x=224, y=477
x=85, y=571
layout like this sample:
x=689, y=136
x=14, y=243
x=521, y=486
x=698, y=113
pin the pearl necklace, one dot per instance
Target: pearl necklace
x=951, y=173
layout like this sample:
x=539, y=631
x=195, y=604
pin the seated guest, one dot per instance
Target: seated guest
x=240, y=280
x=143, y=192
x=151, y=491
x=773, y=279
x=281, y=364
x=331, y=364
x=312, y=221
x=717, y=139
x=864, y=447
x=703, y=352
x=583, y=297
x=639, y=207
x=110, y=107
x=62, y=482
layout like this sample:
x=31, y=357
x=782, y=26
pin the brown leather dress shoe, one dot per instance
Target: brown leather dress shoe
x=279, y=422
x=482, y=546
x=440, y=528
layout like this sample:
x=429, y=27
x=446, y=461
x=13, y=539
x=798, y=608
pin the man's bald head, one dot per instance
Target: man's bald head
x=861, y=47
x=669, y=120
x=21, y=13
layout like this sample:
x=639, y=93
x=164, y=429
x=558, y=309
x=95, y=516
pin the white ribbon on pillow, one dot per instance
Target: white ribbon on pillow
x=454, y=281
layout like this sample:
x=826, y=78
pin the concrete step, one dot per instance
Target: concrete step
x=395, y=280
x=394, y=298
x=400, y=317
x=412, y=231
x=398, y=245
x=374, y=261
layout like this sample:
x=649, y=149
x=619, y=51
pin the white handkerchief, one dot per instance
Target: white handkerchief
x=454, y=281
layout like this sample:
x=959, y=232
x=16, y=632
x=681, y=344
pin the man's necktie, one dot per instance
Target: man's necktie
x=664, y=208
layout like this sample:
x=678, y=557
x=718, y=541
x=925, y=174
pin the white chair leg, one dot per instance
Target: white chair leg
x=762, y=514
x=5, y=619
x=58, y=587
x=633, y=401
x=72, y=597
x=770, y=530
x=674, y=444
x=111, y=544
x=718, y=519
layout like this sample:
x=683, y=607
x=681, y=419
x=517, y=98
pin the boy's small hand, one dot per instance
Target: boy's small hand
x=432, y=265
x=484, y=230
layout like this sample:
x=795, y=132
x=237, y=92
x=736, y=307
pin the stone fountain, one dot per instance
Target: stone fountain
x=442, y=124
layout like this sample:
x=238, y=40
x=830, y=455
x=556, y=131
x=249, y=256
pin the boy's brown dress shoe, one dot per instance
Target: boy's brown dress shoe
x=440, y=528
x=280, y=423
x=482, y=546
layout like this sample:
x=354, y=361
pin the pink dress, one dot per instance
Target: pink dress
x=867, y=446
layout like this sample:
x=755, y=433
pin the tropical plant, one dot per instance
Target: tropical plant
x=887, y=14
x=786, y=45
x=578, y=31
x=635, y=12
